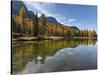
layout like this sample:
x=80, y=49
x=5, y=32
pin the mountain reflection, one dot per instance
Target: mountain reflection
x=22, y=53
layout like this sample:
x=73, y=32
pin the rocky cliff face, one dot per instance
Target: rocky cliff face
x=16, y=5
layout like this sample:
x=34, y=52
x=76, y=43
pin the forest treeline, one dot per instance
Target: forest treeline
x=40, y=27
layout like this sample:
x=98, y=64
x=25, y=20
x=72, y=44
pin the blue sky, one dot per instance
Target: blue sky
x=82, y=16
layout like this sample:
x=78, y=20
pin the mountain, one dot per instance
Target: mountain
x=30, y=14
x=52, y=20
x=74, y=27
x=16, y=5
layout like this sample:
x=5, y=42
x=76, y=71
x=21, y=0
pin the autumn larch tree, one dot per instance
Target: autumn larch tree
x=42, y=25
x=36, y=26
x=22, y=16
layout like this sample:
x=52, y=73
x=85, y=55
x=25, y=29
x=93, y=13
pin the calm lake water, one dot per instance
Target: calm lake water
x=53, y=56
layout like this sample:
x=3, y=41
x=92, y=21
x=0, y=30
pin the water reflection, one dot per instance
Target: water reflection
x=22, y=53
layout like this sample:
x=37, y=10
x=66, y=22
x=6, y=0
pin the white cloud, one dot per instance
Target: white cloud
x=47, y=9
x=71, y=20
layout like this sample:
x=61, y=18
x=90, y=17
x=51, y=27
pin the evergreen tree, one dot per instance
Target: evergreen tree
x=42, y=25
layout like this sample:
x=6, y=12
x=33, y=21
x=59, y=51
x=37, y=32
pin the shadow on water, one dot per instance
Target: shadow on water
x=40, y=50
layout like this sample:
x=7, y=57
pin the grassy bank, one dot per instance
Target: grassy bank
x=36, y=38
x=23, y=37
x=49, y=38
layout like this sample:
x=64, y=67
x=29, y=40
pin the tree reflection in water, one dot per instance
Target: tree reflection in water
x=22, y=53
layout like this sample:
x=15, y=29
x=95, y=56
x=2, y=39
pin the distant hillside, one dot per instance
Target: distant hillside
x=74, y=27
x=52, y=20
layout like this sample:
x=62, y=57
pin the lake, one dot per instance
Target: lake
x=53, y=56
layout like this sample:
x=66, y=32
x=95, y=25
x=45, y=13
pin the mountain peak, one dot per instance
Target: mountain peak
x=52, y=20
x=74, y=27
